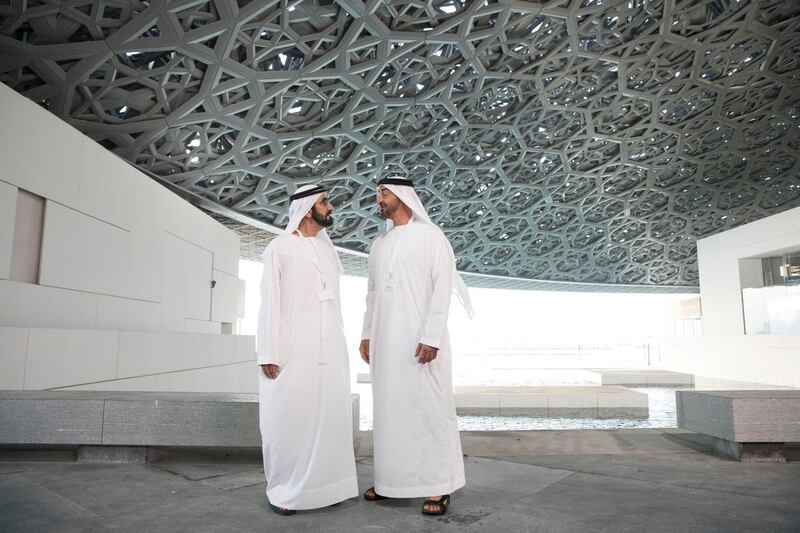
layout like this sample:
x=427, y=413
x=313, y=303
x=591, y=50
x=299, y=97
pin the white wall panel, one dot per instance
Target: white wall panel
x=106, y=185
x=751, y=274
x=202, y=326
x=778, y=242
x=26, y=305
x=241, y=301
x=13, y=352
x=146, y=259
x=144, y=353
x=225, y=298
x=58, y=357
x=127, y=314
x=143, y=384
x=8, y=212
x=779, y=372
x=188, y=222
x=108, y=262
x=82, y=359
x=248, y=377
x=83, y=253
x=235, y=378
x=25, y=130
x=173, y=283
x=28, y=230
x=247, y=347
x=219, y=379
x=226, y=250
x=176, y=382
x=146, y=264
x=186, y=283
x=767, y=359
x=210, y=350
x=198, y=274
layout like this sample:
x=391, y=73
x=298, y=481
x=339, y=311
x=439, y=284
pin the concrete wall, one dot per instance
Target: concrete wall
x=728, y=262
x=91, y=250
x=726, y=266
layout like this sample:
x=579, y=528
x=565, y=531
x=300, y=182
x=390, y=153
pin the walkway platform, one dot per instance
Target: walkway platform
x=646, y=377
x=552, y=402
x=553, y=481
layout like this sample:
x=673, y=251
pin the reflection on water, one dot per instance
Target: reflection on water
x=662, y=415
x=485, y=372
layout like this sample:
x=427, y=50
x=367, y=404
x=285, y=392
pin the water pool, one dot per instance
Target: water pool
x=661, y=401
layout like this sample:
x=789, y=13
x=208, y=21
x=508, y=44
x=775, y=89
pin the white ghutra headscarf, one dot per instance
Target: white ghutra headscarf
x=404, y=190
x=302, y=201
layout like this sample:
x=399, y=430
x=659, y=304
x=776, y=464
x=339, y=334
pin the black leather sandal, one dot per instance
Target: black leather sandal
x=442, y=504
x=280, y=510
x=373, y=496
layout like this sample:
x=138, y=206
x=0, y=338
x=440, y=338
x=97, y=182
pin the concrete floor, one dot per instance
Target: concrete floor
x=551, y=481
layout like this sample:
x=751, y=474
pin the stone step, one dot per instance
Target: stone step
x=552, y=402
x=640, y=377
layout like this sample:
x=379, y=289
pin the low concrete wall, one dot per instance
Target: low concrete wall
x=744, y=423
x=133, y=419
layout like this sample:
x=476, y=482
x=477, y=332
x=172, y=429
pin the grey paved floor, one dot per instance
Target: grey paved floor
x=550, y=481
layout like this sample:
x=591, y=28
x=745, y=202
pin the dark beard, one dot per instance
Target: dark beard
x=320, y=219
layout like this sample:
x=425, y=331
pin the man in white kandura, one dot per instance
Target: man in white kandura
x=405, y=341
x=304, y=383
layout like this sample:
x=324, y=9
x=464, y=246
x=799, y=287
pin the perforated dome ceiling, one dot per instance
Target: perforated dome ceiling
x=590, y=141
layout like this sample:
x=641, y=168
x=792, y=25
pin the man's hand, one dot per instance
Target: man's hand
x=364, y=349
x=425, y=353
x=271, y=371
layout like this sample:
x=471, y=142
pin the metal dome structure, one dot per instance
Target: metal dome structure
x=568, y=140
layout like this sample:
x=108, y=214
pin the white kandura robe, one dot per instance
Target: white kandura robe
x=305, y=413
x=416, y=441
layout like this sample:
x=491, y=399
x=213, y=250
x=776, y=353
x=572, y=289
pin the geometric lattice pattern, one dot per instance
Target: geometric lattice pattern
x=591, y=141
x=255, y=239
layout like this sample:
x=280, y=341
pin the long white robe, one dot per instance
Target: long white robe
x=416, y=441
x=305, y=413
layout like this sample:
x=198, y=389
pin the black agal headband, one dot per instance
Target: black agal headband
x=310, y=192
x=395, y=181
